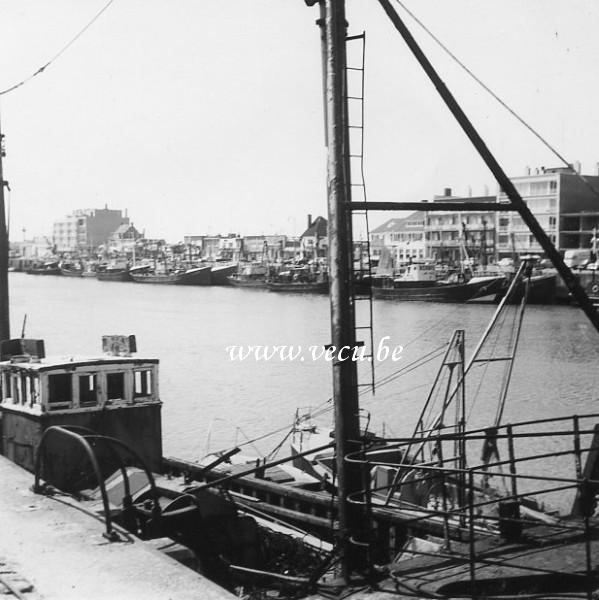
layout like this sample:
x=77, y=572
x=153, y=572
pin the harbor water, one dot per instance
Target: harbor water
x=213, y=400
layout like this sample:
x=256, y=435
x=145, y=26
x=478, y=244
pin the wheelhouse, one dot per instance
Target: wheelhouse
x=115, y=394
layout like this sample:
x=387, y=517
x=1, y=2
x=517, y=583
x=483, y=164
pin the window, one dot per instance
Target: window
x=538, y=188
x=143, y=383
x=115, y=386
x=59, y=389
x=88, y=390
x=35, y=389
x=5, y=385
x=16, y=388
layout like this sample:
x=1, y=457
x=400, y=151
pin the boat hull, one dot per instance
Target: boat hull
x=462, y=292
x=41, y=271
x=71, y=272
x=542, y=290
x=220, y=275
x=120, y=275
x=258, y=283
x=321, y=287
x=199, y=276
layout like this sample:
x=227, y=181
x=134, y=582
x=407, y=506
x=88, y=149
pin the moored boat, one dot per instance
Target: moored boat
x=193, y=276
x=300, y=280
x=46, y=268
x=252, y=275
x=91, y=427
x=71, y=269
x=441, y=291
x=299, y=287
x=221, y=273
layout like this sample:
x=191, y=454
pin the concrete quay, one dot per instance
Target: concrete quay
x=52, y=550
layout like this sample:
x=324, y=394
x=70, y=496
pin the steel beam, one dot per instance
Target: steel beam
x=435, y=206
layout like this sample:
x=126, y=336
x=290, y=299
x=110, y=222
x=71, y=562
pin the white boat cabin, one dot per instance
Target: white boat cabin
x=114, y=394
x=58, y=384
x=418, y=272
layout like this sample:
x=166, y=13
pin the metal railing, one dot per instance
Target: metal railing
x=83, y=437
x=548, y=466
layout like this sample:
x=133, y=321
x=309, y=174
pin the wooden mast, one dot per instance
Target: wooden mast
x=345, y=391
x=4, y=308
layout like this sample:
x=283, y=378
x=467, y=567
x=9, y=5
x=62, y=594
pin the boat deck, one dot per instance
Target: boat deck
x=50, y=549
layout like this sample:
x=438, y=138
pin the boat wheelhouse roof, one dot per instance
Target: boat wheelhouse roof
x=70, y=362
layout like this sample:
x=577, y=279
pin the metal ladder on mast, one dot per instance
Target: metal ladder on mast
x=362, y=273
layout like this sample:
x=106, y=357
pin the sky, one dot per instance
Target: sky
x=207, y=116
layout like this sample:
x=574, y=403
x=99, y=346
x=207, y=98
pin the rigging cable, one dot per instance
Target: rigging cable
x=496, y=97
x=59, y=53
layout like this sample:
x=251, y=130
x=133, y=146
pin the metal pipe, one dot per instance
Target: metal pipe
x=503, y=180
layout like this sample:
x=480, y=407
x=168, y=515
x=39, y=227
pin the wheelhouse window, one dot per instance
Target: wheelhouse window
x=60, y=391
x=143, y=384
x=6, y=391
x=34, y=387
x=17, y=388
x=115, y=386
x=88, y=390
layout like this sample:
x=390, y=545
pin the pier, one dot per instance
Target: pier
x=52, y=549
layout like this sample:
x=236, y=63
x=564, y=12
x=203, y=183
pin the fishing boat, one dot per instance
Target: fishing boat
x=222, y=272
x=419, y=283
x=252, y=276
x=299, y=287
x=439, y=485
x=71, y=269
x=192, y=276
x=301, y=279
x=91, y=426
x=113, y=271
x=50, y=267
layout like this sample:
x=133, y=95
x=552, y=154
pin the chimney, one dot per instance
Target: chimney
x=309, y=221
x=447, y=192
x=577, y=166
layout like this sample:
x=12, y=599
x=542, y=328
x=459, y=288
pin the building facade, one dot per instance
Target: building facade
x=314, y=242
x=403, y=237
x=86, y=229
x=564, y=202
x=454, y=236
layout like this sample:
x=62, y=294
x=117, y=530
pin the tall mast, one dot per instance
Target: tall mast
x=345, y=392
x=4, y=309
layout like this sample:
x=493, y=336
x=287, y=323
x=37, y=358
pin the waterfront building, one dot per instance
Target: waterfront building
x=229, y=247
x=403, y=237
x=314, y=242
x=86, y=229
x=565, y=203
x=452, y=236
x=124, y=238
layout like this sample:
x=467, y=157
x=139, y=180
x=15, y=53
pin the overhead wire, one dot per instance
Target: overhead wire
x=485, y=87
x=59, y=53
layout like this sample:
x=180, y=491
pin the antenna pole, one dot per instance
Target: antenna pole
x=4, y=308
